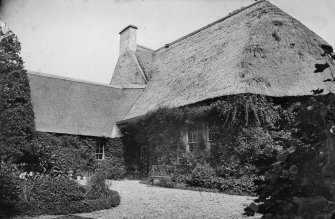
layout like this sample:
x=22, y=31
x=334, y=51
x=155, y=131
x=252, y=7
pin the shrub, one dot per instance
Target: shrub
x=9, y=189
x=16, y=112
x=62, y=195
x=297, y=182
x=113, y=167
x=76, y=153
x=54, y=189
x=227, y=170
x=234, y=186
x=97, y=186
x=112, y=199
x=166, y=184
x=202, y=176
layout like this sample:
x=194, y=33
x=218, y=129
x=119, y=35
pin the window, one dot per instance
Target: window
x=169, y=138
x=194, y=135
x=100, y=151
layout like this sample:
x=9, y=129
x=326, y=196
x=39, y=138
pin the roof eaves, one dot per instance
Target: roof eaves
x=121, y=122
x=134, y=86
x=211, y=24
x=72, y=79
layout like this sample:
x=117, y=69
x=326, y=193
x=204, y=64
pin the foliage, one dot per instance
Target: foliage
x=16, y=112
x=202, y=175
x=76, y=153
x=114, y=148
x=97, y=186
x=242, y=128
x=54, y=189
x=227, y=178
x=63, y=195
x=237, y=186
x=114, y=168
x=112, y=199
x=239, y=117
x=226, y=170
x=9, y=188
x=298, y=181
x=295, y=172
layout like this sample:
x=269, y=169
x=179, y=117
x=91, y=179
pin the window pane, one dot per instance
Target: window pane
x=99, y=151
x=192, y=147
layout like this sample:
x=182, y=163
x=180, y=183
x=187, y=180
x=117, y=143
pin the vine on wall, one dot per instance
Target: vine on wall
x=244, y=126
x=76, y=153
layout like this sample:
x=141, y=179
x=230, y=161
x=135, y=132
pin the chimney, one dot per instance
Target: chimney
x=128, y=39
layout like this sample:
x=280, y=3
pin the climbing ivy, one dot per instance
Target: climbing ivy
x=244, y=126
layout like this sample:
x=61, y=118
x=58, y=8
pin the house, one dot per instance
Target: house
x=258, y=49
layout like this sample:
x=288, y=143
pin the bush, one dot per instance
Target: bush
x=16, y=111
x=112, y=199
x=54, y=189
x=61, y=195
x=9, y=189
x=97, y=186
x=227, y=170
x=114, y=168
x=77, y=153
x=233, y=186
x=202, y=176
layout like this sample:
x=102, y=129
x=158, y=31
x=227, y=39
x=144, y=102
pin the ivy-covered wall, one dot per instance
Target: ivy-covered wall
x=76, y=153
x=240, y=127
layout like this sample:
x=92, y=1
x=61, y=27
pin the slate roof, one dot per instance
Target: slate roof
x=259, y=49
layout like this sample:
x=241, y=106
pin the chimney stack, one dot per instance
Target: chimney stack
x=128, y=39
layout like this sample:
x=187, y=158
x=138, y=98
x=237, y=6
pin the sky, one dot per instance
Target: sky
x=80, y=38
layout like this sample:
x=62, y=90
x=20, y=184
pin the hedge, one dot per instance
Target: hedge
x=75, y=207
x=16, y=111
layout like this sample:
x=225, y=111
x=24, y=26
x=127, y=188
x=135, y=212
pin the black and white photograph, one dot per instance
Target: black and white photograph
x=167, y=109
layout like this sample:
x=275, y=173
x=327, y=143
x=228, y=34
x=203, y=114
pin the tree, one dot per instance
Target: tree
x=17, y=124
x=299, y=181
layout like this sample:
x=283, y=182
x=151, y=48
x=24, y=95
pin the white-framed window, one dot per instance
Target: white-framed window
x=196, y=136
x=100, y=151
x=193, y=137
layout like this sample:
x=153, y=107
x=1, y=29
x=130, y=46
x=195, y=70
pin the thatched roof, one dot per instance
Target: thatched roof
x=259, y=49
x=77, y=107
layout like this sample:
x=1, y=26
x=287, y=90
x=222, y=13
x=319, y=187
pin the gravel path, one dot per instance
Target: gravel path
x=144, y=201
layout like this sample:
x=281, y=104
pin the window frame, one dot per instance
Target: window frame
x=201, y=129
x=100, y=151
x=194, y=134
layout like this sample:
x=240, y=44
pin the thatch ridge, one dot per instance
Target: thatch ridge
x=211, y=24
